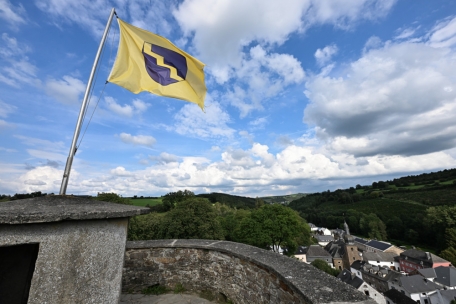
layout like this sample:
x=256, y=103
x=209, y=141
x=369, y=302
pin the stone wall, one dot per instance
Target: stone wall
x=78, y=261
x=241, y=273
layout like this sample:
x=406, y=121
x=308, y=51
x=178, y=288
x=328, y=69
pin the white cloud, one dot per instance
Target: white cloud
x=284, y=140
x=254, y=171
x=165, y=158
x=45, y=179
x=405, y=33
x=140, y=106
x=141, y=140
x=137, y=107
x=398, y=99
x=444, y=33
x=120, y=171
x=346, y=13
x=191, y=121
x=259, y=123
x=17, y=68
x=68, y=90
x=264, y=76
x=14, y=15
x=222, y=28
x=324, y=55
x=6, y=109
x=93, y=14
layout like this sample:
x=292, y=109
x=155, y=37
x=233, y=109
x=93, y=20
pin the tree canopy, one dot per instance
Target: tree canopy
x=274, y=225
x=192, y=218
x=322, y=265
x=171, y=199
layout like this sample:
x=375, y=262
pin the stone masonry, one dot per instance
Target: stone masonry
x=241, y=273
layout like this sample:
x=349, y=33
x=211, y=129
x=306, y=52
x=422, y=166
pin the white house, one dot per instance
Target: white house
x=324, y=240
x=415, y=287
x=351, y=279
x=382, y=259
x=323, y=231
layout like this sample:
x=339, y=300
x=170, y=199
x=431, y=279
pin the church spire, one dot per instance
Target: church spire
x=347, y=231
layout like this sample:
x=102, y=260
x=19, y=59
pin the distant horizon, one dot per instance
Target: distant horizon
x=303, y=96
x=255, y=196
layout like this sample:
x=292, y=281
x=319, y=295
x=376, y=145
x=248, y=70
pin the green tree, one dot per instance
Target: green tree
x=112, y=198
x=145, y=227
x=373, y=226
x=230, y=223
x=449, y=254
x=172, y=198
x=395, y=227
x=322, y=265
x=450, y=237
x=258, y=202
x=274, y=225
x=438, y=220
x=193, y=218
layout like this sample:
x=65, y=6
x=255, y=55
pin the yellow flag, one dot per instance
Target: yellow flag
x=149, y=62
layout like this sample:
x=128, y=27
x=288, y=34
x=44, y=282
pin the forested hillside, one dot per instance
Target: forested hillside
x=415, y=210
x=232, y=201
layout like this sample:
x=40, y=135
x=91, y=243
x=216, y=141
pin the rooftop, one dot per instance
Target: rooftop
x=378, y=245
x=445, y=276
x=349, y=278
x=426, y=257
x=317, y=251
x=417, y=284
x=398, y=297
x=379, y=256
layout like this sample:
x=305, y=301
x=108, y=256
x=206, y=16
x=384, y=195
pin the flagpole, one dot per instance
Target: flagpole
x=66, y=173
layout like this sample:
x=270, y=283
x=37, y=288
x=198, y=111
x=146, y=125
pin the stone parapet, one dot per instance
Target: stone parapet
x=239, y=272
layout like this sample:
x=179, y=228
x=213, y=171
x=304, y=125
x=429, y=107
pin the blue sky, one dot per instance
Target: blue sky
x=303, y=96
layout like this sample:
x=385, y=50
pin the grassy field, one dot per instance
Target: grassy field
x=145, y=201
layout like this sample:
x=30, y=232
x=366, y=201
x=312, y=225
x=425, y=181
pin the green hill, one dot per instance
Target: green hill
x=282, y=198
x=233, y=201
x=397, y=207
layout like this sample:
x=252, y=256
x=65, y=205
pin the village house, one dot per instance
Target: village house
x=323, y=240
x=343, y=251
x=446, y=277
x=300, y=253
x=313, y=227
x=412, y=259
x=376, y=276
x=393, y=296
x=314, y=252
x=415, y=287
x=360, y=243
x=323, y=231
x=428, y=273
x=351, y=279
x=336, y=249
x=382, y=259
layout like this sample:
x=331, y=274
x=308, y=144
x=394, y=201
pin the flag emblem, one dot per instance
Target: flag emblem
x=149, y=62
x=163, y=65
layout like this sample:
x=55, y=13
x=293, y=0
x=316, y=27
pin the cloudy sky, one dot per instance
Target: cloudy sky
x=303, y=96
